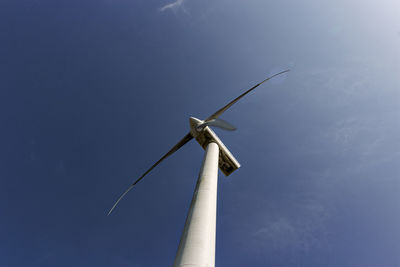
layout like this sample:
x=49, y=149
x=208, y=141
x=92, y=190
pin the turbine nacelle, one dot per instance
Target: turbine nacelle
x=204, y=135
x=197, y=125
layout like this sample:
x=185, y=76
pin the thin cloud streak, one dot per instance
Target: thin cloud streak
x=175, y=5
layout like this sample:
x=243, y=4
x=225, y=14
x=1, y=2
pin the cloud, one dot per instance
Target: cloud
x=302, y=232
x=279, y=233
x=174, y=6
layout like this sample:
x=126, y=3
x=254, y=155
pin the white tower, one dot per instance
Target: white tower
x=197, y=245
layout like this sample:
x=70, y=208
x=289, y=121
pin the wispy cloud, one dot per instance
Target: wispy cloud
x=174, y=6
x=297, y=232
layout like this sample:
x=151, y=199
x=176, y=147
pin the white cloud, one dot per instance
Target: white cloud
x=174, y=6
x=301, y=232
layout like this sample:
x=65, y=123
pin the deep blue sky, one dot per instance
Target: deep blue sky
x=93, y=92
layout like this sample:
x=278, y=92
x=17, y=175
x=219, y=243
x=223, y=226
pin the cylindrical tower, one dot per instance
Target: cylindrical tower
x=197, y=244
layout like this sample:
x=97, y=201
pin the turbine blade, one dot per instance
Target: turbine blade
x=223, y=109
x=182, y=142
x=220, y=124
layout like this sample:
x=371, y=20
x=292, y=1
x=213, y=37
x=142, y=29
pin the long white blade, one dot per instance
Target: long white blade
x=220, y=124
x=182, y=142
x=223, y=109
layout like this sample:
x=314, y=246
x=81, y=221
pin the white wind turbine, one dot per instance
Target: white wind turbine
x=197, y=244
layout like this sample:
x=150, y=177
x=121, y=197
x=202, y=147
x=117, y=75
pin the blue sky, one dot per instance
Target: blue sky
x=92, y=93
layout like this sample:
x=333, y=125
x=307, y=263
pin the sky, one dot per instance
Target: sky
x=92, y=93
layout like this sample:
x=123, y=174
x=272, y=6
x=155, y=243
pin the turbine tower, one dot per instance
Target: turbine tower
x=197, y=244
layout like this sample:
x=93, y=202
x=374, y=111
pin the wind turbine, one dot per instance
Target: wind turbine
x=197, y=244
